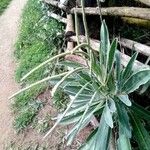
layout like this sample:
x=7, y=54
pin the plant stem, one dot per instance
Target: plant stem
x=86, y=33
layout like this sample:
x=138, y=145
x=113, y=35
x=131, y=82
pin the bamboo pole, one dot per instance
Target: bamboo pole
x=137, y=22
x=95, y=44
x=134, y=12
x=57, y=17
x=56, y=4
x=70, y=27
x=141, y=48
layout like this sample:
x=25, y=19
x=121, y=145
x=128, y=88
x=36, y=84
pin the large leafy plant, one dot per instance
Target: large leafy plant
x=101, y=87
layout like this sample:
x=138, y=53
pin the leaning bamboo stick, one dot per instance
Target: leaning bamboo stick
x=56, y=4
x=124, y=58
x=137, y=22
x=134, y=12
x=141, y=48
x=57, y=17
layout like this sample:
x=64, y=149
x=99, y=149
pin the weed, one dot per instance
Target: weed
x=26, y=115
x=60, y=99
x=37, y=42
x=3, y=5
x=42, y=125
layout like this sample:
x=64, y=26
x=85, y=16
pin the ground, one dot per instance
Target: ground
x=9, y=25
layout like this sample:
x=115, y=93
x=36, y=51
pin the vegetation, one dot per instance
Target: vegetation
x=101, y=88
x=3, y=5
x=36, y=43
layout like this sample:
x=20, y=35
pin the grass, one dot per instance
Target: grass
x=3, y=5
x=37, y=42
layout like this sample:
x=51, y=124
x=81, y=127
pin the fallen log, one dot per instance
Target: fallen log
x=134, y=12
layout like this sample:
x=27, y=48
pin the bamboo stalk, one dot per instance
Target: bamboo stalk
x=56, y=4
x=70, y=27
x=134, y=12
x=137, y=21
x=124, y=58
x=57, y=17
x=52, y=2
x=141, y=48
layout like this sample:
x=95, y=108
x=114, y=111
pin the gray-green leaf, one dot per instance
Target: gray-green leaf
x=108, y=116
x=123, y=143
x=137, y=79
x=140, y=133
x=102, y=135
x=125, y=99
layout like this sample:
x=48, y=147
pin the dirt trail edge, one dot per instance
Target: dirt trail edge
x=9, y=23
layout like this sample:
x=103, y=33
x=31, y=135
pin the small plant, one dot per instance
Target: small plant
x=60, y=99
x=102, y=88
x=42, y=125
x=36, y=43
x=27, y=115
x=3, y=5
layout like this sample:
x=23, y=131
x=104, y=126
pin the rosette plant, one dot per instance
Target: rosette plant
x=101, y=87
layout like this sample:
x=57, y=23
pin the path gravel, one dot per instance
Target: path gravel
x=9, y=23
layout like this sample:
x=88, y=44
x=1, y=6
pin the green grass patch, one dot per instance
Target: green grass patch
x=37, y=42
x=3, y=5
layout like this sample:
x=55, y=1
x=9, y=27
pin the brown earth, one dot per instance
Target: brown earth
x=9, y=23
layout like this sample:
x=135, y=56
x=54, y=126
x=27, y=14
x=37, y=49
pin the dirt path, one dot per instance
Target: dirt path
x=9, y=22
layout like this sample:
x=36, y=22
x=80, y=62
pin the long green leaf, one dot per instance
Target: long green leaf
x=137, y=79
x=118, y=70
x=123, y=119
x=125, y=99
x=64, y=113
x=128, y=70
x=111, y=55
x=70, y=64
x=102, y=135
x=89, y=142
x=123, y=143
x=141, y=111
x=105, y=44
x=108, y=116
x=37, y=83
x=64, y=78
x=54, y=58
x=84, y=120
x=140, y=133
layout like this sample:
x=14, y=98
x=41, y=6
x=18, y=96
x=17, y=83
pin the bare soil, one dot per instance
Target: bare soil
x=9, y=23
